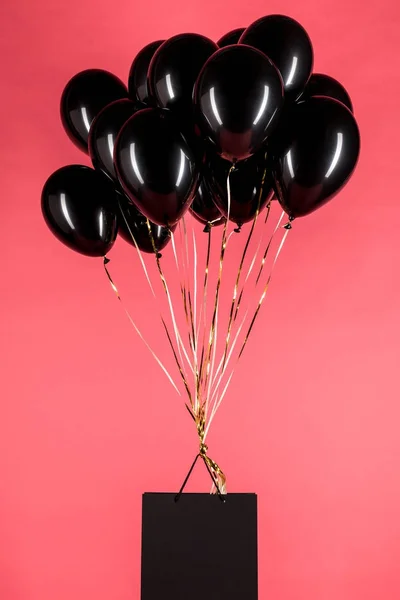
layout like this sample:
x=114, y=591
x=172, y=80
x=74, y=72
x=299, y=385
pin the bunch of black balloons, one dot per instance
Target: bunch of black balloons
x=193, y=112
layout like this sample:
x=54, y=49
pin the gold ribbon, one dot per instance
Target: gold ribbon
x=114, y=287
x=177, y=334
x=239, y=273
x=287, y=228
x=216, y=473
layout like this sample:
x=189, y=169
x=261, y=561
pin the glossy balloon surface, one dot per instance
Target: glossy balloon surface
x=238, y=98
x=79, y=206
x=232, y=37
x=175, y=68
x=84, y=96
x=289, y=47
x=324, y=85
x=155, y=166
x=250, y=185
x=317, y=158
x=137, y=84
x=132, y=222
x=104, y=132
x=203, y=207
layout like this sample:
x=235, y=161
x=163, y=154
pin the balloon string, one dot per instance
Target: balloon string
x=188, y=307
x=239, y=273
x=213, y=329
x=287, y=229
x=262, y=261
x=181, y=371
x=268, y=247
x=234, y=312
x=217, y=402
x=195, y=286
x=181, y=284
x=203, y=310
x=179, y=342
x=114, y=287
x=250, y=269
x=138, y=249
x=186, y=265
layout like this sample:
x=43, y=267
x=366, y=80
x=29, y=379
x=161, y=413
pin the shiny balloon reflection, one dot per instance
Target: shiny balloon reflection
x=79, y=206
x=174, y=69
x=336, y=156
x=238, y=98
x=156, y=167
x=320, y=154
x=289, y=47
x=137, y=84
x=84, y=96
x=104, y=132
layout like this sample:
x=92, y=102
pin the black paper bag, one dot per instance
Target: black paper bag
x=199, y=548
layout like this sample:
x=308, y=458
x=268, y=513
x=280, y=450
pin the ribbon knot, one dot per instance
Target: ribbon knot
x=203, y=449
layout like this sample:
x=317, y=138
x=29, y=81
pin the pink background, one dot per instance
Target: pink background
x=87, y=421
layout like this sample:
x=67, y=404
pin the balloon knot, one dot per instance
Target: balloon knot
x=287, y=226
x=159, y=255
x=106, y=260
x=207, y=228
x=238, y=229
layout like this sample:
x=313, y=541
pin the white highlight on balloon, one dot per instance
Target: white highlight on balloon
x=181, y=169
x=110, y=142
x=169, y=86
x=292, y=70
x=134, y=163
x=336, y=156
x=290, y=164
x=262, y=105
x=101, y=224
x=214, y=106
x=85, y=117
x=65, y=211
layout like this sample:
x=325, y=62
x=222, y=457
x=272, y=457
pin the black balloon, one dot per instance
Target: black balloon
x=324, y=85
x=318, y=156
x=238, y=98
x=104, y=132
x=155, y=166
x=174, y=69
x=289, y=47
x=232, y=37
x=84, y=96
x=137, y=84
x=131, y=222
x=79, y=206
x=203, y=207
x=250, y=186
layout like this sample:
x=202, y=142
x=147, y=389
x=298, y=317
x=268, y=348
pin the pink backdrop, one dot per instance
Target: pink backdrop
x=88, y=422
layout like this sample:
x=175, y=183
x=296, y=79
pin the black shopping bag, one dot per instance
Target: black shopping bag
x=199, y=548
